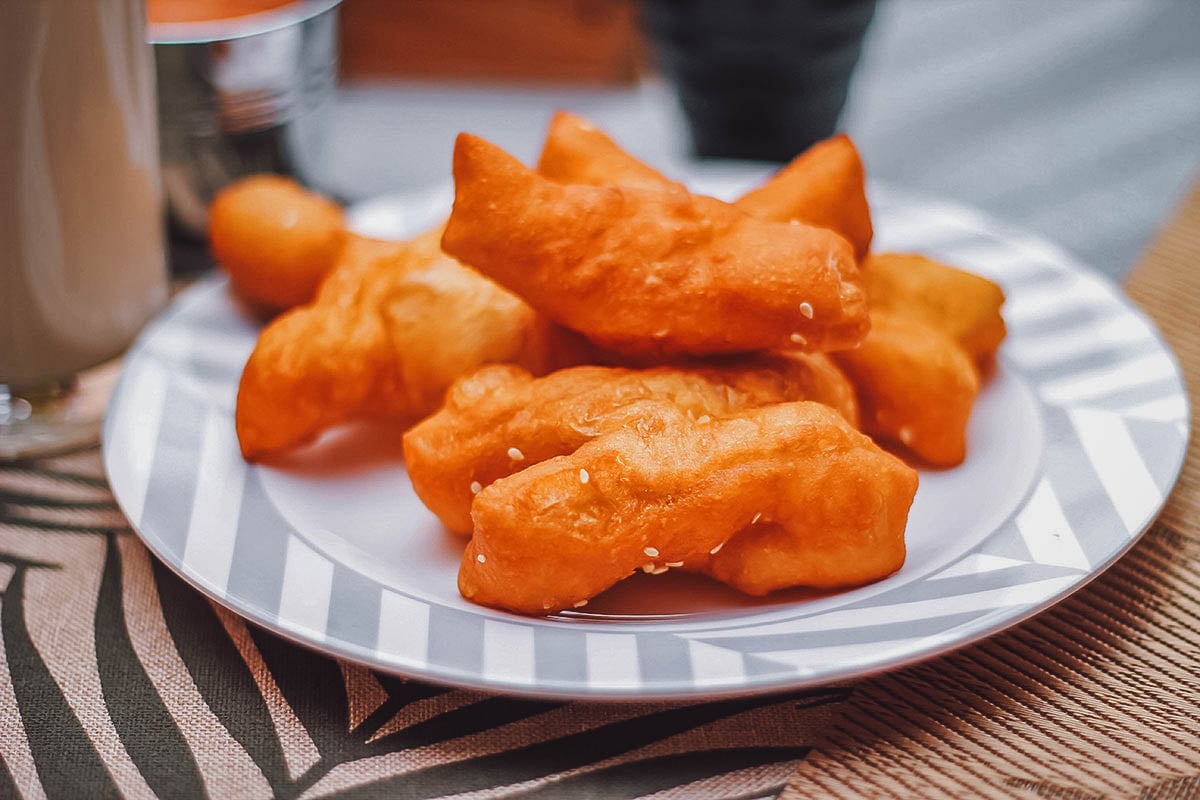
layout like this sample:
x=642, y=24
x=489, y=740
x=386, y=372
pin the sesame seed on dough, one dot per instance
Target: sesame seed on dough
x=716, y=549
x=651, y=551
x=674, y=563
x=906, y=434
x=481, y=558
x=583, y=476
x=476, y=487
x=703, y=419
x=660, y=571
x=757, y=517
x=515, y=454
x=647, y=568
x=581, y=604
x=806, y=310
x=798, y=339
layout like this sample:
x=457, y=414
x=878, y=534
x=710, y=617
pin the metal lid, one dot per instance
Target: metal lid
x=239, y=27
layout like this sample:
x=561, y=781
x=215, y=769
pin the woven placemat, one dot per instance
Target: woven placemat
x=1098, y=697
x=118, y=680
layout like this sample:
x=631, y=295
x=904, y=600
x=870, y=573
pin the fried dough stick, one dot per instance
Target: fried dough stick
x=670, y=491
x=932, y=326
x=824, y=186
x=390, y=330
x=962, y=305
x=916, y=387
x=638, y=270
x=501, y=419
x=578, y=152
x=933, y=329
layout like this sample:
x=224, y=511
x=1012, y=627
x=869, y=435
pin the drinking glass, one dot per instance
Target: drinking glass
x=82, y=265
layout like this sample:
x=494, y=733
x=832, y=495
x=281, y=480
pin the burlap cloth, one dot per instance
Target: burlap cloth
x=118, y=680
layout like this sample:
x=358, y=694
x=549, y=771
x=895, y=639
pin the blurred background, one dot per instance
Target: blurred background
x=1078, y=120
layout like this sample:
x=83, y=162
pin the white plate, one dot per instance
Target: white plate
x=1074, y=445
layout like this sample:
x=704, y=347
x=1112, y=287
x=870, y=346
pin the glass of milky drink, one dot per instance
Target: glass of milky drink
x=82, y=264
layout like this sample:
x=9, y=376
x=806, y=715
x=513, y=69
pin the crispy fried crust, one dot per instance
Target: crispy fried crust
x=639, y=270
x=276, y=239
x=790, y=377
x=962, y=305
x=672, y=490
x=916, y=387
x=916, y=376
x=392, y=328
x=824, y=186
x=501, y=419
x=312, y=368
x=578, y=152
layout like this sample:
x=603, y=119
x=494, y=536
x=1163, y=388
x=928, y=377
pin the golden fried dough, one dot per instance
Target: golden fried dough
x=916, y=386
x=915, y=377
x=639, y=270
x=365, y=266
x=767, y=556
x=788, y=376
x=962, y=305
x=312, y=368
x=824, y=186
x=578, y=152
x=501, y=419
x=276, y=239
x=669, y=491
x=392, y=328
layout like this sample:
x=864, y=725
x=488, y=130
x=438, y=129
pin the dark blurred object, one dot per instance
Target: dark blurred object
x=238, y=96
x=762, y=79
x=523, y=41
